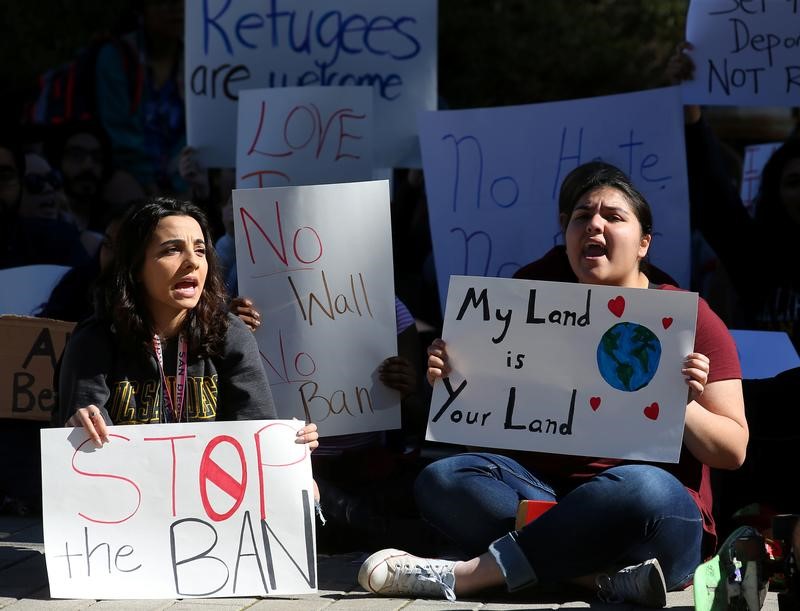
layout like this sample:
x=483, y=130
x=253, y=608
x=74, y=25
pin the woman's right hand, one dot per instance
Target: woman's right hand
x=438, y=366
x=91, y=418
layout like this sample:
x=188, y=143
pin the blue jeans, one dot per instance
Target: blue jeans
x=622, y=516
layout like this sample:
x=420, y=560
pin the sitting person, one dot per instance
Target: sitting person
x=630, y=531
x=163, y=317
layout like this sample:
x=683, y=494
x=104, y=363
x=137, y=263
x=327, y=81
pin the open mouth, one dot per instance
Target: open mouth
x=186, y=288
x=594, y=250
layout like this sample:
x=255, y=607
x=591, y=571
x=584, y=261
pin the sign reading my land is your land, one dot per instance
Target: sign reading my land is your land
x=565, y=368
x=179, y=510
x=745, y=53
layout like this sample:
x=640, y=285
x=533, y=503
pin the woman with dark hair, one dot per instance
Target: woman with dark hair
x=630, y=531
x=163, y=346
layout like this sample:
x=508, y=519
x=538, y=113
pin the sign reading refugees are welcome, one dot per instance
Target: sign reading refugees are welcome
x=303, y=136
x=745, y=53
x=565, y=368
x=249, y=44
x=179, y=510
x=492, y=176
x=317, y=262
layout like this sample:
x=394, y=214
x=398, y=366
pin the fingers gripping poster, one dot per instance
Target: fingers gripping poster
x=564, y=368
x=179, y=510
x=317, y=262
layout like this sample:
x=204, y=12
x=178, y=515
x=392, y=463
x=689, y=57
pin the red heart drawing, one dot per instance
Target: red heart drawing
x=667, y=322
x=594, y=402
x=617, y=306
x=651, y=411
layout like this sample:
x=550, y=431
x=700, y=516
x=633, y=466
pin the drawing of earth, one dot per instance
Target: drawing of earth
x=628, y=356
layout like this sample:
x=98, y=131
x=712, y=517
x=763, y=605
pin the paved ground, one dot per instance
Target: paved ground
x=23, y=586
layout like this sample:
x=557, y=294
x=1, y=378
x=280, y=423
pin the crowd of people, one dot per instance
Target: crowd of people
x=120, y=199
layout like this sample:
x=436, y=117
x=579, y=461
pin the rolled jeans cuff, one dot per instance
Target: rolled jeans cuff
x=513, y=563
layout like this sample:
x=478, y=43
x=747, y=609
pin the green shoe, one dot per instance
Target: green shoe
x=733, y=580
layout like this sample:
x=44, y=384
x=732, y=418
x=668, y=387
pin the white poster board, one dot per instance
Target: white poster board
x=317, y=262
x=492, y=176
x=755, y=157
x=249, y=44
x=764, y=354
x=565, y=368
x=303, y=136
x=27, y=288
x=179, y=510
x=745, y=53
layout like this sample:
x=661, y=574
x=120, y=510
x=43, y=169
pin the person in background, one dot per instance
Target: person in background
x=629, y=531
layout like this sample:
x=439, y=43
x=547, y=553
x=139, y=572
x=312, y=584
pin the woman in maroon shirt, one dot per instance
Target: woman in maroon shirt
x=631, y=531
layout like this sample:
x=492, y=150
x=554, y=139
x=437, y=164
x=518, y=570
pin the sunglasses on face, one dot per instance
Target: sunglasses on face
x=36, y=183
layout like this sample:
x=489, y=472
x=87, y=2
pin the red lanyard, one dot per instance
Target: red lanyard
x=174, y=410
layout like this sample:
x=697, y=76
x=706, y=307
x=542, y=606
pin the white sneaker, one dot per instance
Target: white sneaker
x=395, y=572
x=642, y=584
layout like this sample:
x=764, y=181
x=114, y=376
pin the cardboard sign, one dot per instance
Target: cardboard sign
x=565, y=368
x=317, y=262
x=755, y=158
x=492, y=177
x=304, y=136
x=249, y=44
x=179, y=510
x=745, y=53
x=29, y=351
x=764, y=354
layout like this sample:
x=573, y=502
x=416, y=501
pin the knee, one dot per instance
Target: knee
x=646, y=489
x=433, y=479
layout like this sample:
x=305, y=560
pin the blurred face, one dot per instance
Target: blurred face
x=82, y=165
x=790, y=188
x=175, y=268
x=41, y=194
x=604, y=239
x=10, y=188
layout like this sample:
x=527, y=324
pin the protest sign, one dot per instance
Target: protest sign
x=179, y=510
x=745, y=53
x=29, y=287
x=755, y=157
x=249, y=44
x=764, y=354
x=565, y=368
x=317, y=262
x=303, y=136
x=29, y=351
x=492, y=176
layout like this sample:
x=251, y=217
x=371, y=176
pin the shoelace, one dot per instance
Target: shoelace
x=428, y=573
x=605, y=590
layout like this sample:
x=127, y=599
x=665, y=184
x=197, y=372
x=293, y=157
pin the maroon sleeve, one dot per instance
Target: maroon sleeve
x=713, y=339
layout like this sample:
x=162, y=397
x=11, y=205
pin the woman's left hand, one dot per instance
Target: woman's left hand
x=695, y=370
x=398, y=374
x=308, y=435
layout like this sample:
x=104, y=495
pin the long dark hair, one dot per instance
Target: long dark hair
x=124, y=298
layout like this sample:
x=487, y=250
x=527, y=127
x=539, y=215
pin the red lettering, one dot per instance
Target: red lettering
x=211, y=471
x=261, y=464
x=109, y=476
x=174, y=461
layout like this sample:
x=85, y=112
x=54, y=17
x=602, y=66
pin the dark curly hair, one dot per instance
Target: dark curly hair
x=123, y=294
